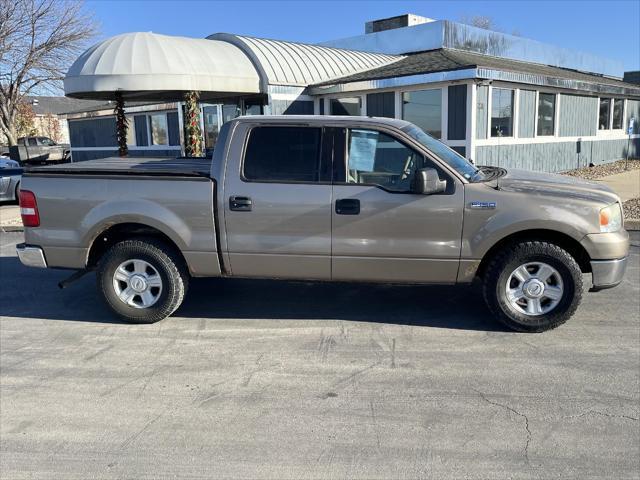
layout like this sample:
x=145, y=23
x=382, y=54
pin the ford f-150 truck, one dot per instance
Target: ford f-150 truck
x=329, y=199
x=39, y=150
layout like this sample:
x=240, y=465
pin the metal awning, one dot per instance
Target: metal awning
x=149, y=66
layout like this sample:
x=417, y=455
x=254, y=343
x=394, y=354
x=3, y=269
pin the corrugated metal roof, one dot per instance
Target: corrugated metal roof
x=300, y=64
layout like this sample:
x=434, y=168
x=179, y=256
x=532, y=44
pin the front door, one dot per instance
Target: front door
x=278, y=203
x=381, y=230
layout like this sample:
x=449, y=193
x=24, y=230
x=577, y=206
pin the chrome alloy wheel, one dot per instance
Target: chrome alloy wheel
x=137, y=283
x=534, y=288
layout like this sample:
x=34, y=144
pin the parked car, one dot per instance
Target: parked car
x=6, y=162
x=39, y=150
x=10, y=176
x=329, y=199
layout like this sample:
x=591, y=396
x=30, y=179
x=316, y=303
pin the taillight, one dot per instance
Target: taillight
x=29, y=209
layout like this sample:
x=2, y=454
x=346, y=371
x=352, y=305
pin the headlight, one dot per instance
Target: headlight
x=611, y=218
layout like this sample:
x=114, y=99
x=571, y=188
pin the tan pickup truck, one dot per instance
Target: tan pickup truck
x=329, y=199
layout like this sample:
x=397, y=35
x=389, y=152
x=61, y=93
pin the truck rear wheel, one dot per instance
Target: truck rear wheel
x=533, y=286
x=143, y=281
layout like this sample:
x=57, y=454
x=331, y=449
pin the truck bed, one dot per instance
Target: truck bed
x=199, y=167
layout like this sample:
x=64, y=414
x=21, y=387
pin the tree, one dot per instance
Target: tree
x=484, y=22
x=39, y=39
x=480, y=21
x=50, y=127
x=25, y=121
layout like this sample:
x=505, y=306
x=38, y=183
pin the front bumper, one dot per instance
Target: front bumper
x=31, y=256
x=607, y=273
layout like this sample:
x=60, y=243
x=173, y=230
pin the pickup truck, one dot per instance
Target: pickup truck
x=39, y=150
x=322, y=198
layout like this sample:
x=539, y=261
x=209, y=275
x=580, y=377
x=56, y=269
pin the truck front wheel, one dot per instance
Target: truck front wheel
x=533, y=286
x=143, y=281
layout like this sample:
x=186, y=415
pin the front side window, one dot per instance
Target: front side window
x=46, y=141
x=159, y=129
x=283, y=154
x=424, y=109
x=618, y=104
x=375, y=158
x=346, y=106
x=603, y=116
x=501, y=112
x=546, y=113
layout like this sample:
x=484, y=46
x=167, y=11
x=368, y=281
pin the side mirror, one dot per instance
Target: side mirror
x=427, y=182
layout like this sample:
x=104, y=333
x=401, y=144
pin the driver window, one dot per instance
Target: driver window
x=376, y=158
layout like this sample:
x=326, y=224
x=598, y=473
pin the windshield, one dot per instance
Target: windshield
x=451, y=157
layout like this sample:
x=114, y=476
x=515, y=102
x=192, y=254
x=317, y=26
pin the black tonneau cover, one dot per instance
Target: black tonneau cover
x=199, y=167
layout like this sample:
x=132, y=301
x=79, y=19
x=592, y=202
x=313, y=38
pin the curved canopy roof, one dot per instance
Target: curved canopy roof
x=300, y=64
x=150, y=66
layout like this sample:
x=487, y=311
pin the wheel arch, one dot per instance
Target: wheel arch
x=564, y=241
x=126, y=231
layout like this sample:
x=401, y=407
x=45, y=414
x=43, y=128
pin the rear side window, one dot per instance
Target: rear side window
x=283, y=154
x=32, y=142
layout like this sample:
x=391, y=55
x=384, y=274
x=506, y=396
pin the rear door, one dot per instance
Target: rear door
x=381, y=230
x=278, y=202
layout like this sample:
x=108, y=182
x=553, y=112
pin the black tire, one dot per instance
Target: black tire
x=504, y=263
x=17, y=193
x=167, y=263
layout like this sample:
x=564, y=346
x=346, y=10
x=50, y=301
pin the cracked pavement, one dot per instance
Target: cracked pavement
x=256, y=379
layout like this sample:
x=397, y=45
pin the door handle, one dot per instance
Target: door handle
x=348, y=206
x=240, y=204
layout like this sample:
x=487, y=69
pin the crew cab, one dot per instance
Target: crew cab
x=322, y=198
x=39, y=150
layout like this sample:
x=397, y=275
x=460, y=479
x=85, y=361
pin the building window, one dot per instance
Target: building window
x=501, y=112
x=252, y=108
x=618, y=105
x=546, y=113
x=283, y=154
x=346, y=106
x=211, y=127
x=604, y=115
x=131, y=132
x=159, y=129
x=424, y=109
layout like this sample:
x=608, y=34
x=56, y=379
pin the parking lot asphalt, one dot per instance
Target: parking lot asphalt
x=258, y=379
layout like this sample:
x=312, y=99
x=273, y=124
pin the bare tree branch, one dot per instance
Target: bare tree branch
x=39, y=39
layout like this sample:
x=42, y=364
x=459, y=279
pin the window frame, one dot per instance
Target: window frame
x=150, y=128
x=443, y=118
x=609, y=114
x=554, y=116
x=131, y=129
x=513, y=112
x=325, y=167
x=622, y=113
x=360, y=97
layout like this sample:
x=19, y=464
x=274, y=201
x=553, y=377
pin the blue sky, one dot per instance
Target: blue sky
x=606, y=28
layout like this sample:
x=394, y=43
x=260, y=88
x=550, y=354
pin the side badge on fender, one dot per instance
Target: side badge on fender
x=483, y=205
